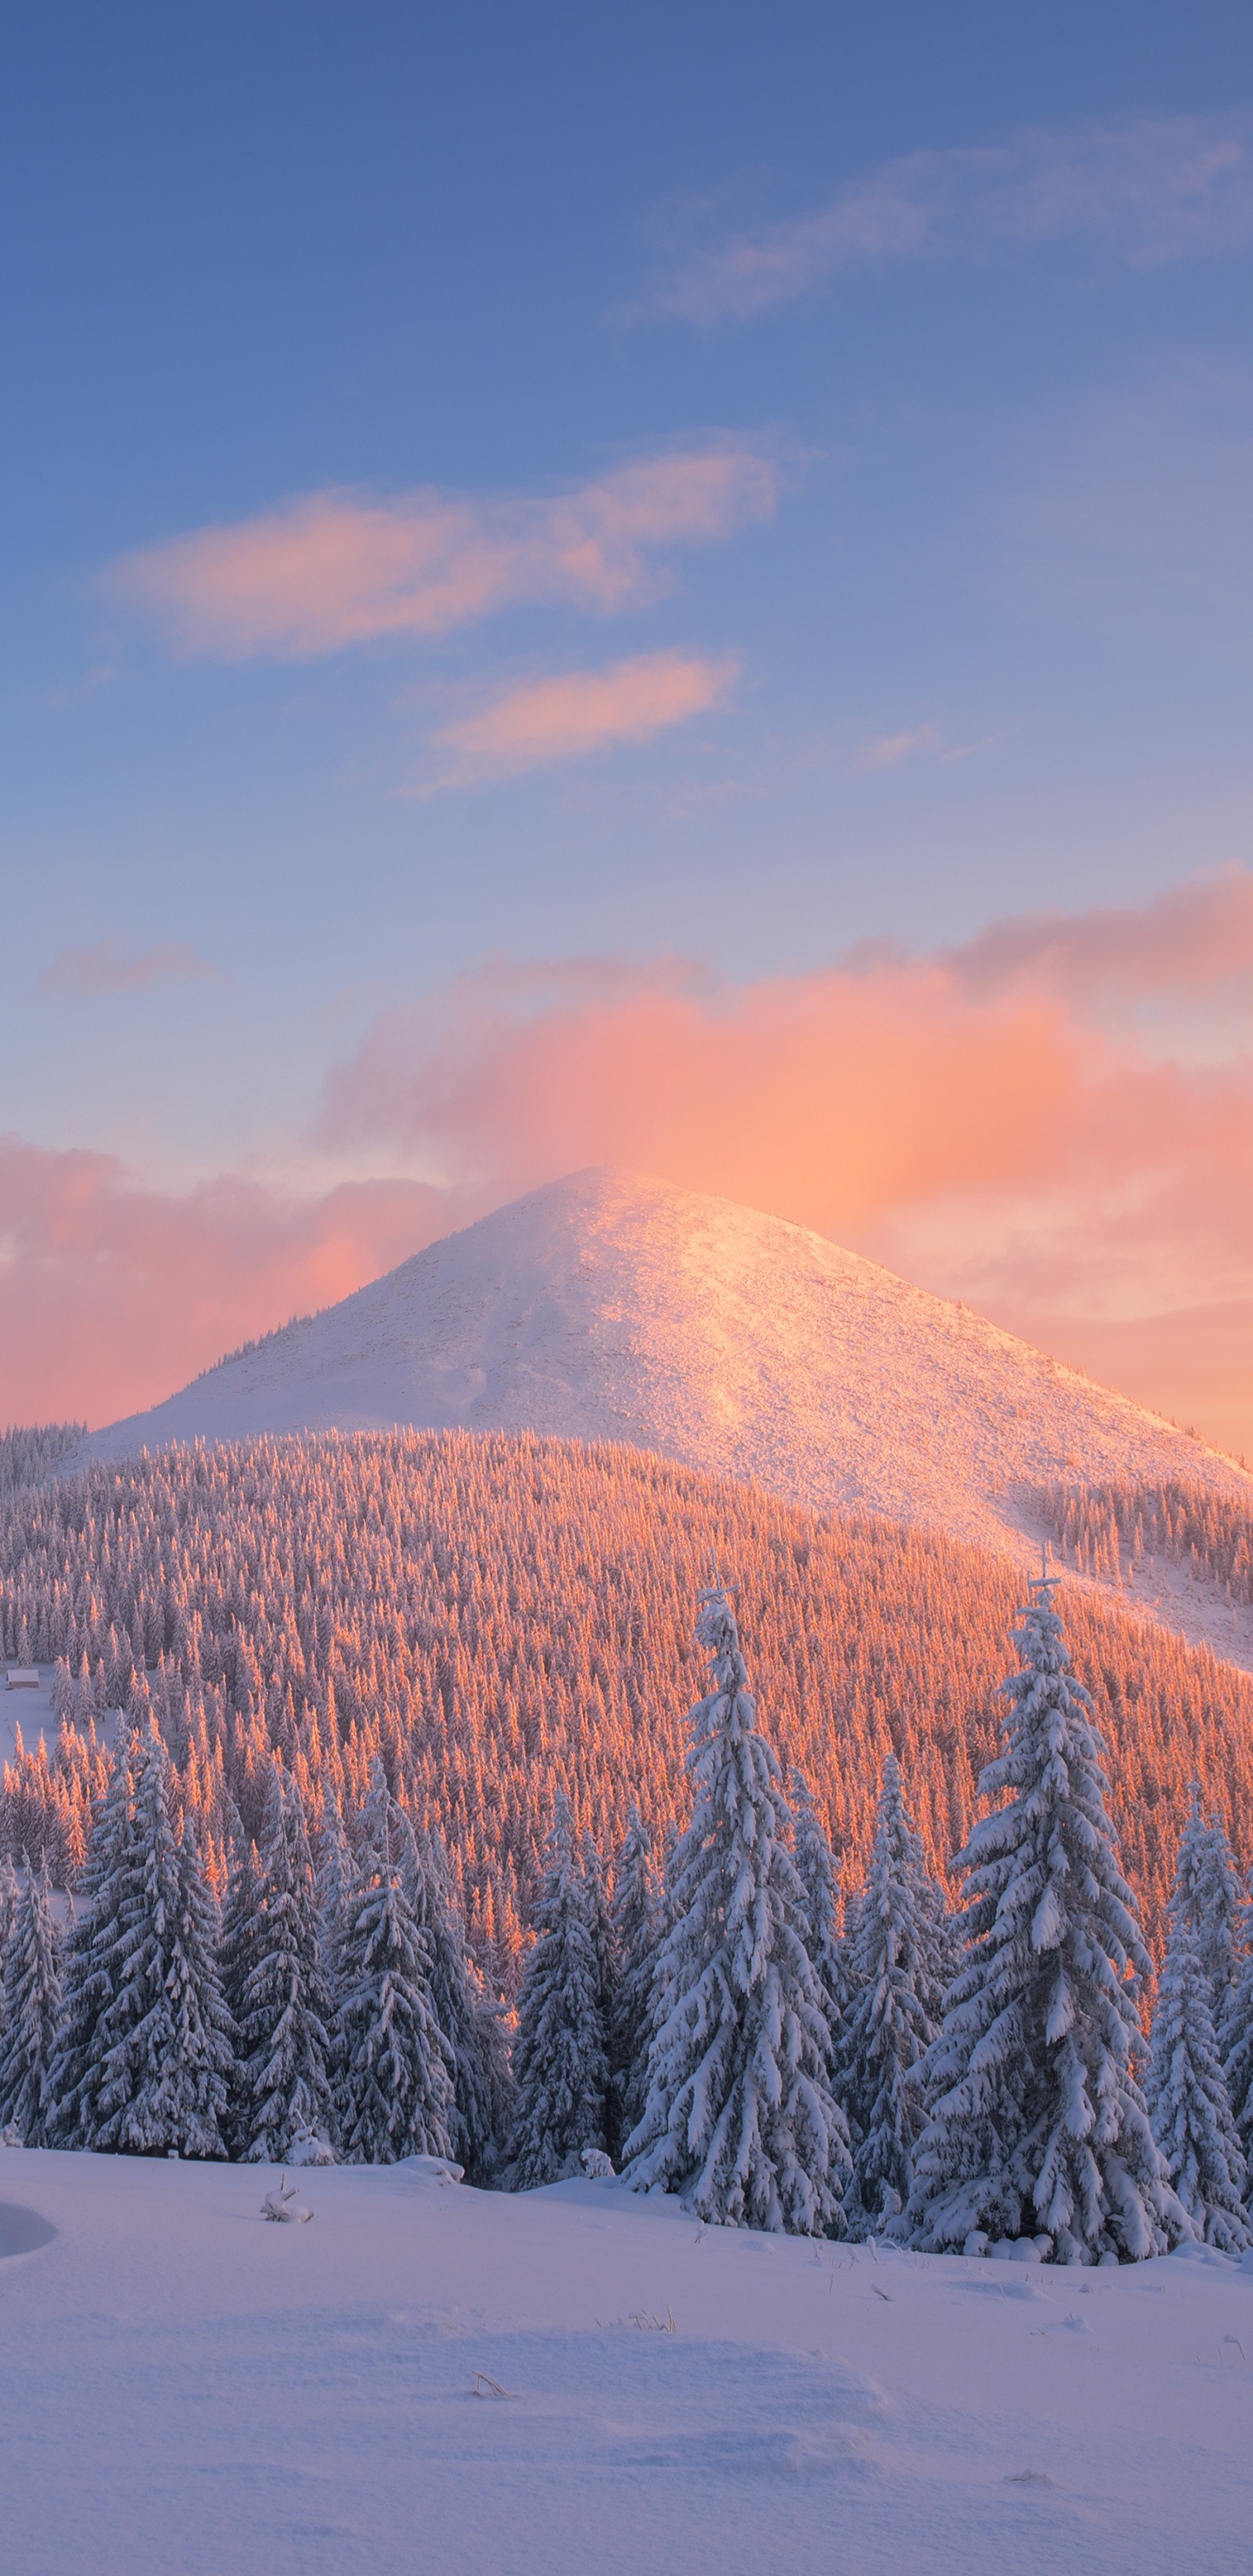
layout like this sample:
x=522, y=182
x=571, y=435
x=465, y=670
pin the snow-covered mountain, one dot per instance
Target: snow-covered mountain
x=609, y=1306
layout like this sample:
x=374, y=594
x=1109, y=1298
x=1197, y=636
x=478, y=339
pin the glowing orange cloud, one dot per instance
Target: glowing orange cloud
x=987, y=1121
x=338, y=569
x=1011, y=1121
x=576, y=713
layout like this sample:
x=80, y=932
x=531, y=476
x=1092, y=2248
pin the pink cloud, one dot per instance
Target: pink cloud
x=113, y=1294
x=977, y=1119
x=106, y=968
x=1146, y=189
x=889, y=748
x=1196, y=938
x=576, y=713
x=967, y=1118
x=337, y=569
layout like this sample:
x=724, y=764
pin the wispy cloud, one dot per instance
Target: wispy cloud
x=889, y=748
x=106, y=968
x=576, y=713
x=338, y=568
x=1146, y=189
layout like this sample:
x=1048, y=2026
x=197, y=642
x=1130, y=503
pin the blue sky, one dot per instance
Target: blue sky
x=958, y=297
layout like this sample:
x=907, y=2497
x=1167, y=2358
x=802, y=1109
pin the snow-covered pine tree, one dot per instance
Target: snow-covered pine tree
x=32, y=2012
x=283, y=2084
x=480, y=2114
x=1186, y=2088
x=739, y=2117
x=163, y=2042
x=392, y=2066
x=1038, y=2122
x=1207, y=1895
x=637, y=1919
x=9, y=1893
x=560, y=2060
x=1235, y=2041
x=898, y=1975
x=93, y=1961
x=239, y=1917
x=334, y=1877
x=604, y=1946
x=819, y=1877
x=203, y=2036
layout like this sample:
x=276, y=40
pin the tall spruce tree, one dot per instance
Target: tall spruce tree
x=1186, y=2088
x=163, y=2042
x=560, y=2058
x=739, y=2117
x=898, y=1975
x=393, y=2070
x=283, y=2081
x=480, y=2114
x=1235, y=2040
x=819, y=1877
x=637, y=1922
x=1207, y=1897
x=9, y=1894
x=32, y=2013
x=95, y=1955
x=1038, y=2121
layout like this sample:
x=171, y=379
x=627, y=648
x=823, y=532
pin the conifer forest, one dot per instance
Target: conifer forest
x=549, y=1808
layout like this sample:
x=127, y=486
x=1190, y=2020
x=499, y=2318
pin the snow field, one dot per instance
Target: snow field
x=191, y=2392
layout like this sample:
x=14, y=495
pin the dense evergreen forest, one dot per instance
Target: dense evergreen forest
x=496, y=1614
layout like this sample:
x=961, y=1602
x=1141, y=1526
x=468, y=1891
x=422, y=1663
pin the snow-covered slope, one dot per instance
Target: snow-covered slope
x=612, y=1307
x=581, y=2380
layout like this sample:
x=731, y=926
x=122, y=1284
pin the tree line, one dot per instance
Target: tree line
x=489, y=1615
x=711, y=2022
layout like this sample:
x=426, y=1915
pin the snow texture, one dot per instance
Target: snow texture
x=609, y=1306
x=189, y=2388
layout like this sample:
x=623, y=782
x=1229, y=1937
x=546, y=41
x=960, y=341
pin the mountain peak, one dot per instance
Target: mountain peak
x=613, y=1305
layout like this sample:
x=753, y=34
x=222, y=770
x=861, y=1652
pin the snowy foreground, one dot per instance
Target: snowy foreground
x=192, y=2392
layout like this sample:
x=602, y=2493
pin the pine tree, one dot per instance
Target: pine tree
x=94, y=1962
x=1038, y=2121
x=1186, y=2088
x=637, y=1922
x=335, y=1869
x=9, y=1895
x=201, y=2062
x=239, y=1920
x=1207, y=1890
x=481, y=2111
x=560, y=2055
x=898, y=1979
x=283, y=2083
x=819, y=1877
x=32, y=2013
x=1235, y=2040
x=739, y=2118
x=393, y=2073
x=163, y=2042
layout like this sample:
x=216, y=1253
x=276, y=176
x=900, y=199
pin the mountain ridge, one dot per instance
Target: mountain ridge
x=614, y=1306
